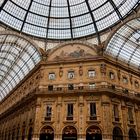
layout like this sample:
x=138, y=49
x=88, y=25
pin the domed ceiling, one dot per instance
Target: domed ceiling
x=64, y=19
x=124, y=45
x=17, y=58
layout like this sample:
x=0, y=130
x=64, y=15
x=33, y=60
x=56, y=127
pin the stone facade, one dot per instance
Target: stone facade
x=74, y=93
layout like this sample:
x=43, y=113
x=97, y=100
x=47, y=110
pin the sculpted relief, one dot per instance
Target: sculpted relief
x=75, y=51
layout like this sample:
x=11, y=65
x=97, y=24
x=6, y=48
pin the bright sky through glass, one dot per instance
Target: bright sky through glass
x=64, y=19
x=17, y=58
x=125, y=44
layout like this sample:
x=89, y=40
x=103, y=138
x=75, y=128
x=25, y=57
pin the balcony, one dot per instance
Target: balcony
x=116, y=120
x=70, y=119
x=47, y=119
x=99, y=87
x=93, y=119
x=131, y=121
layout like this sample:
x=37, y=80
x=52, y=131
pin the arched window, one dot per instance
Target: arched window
x=30, y=133
x=69, y=132
x=17, y=133
x=47, y=133
x=13, y=134
x=117, y=134
x=93, y=133
x=132, y=134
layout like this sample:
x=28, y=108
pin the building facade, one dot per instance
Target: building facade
x=69, y=70
x=78, y=95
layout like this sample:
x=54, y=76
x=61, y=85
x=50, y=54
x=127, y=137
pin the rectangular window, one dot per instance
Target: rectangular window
x=116, y=112
x=70, y=112
x=48, y=112
x=111, y=75
x=91, y=85
x=93, y=111
x=130, y=115
x=50, y=87
x=70, y=87
x=91, y=73
x=125, y=80
x=70, y=74
x=51, y=76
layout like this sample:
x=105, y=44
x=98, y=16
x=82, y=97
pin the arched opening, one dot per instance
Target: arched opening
x=13, y=134
x=23, y=134
x=132, y=134
x=117, y=134
x=30, y=133
x=47, y=133
x=18, y=130
x=93, y=133
x=69, y=133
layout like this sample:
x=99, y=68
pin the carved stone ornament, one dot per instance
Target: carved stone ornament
x=103, y=68
x=80, y=70
x=60, y=71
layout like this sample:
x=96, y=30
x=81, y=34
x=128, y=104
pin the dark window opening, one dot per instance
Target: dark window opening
x=93, y=111
x=70, y=87
x=50, y=87
x=116, y=112
x=130, y=116
x=48, y=113
x=70, y=112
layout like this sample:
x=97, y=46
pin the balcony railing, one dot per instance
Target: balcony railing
x=47, y=118
x=99, y=86
x=116, y=119
x=131, y=121
x=93, y=118
x=69, y=118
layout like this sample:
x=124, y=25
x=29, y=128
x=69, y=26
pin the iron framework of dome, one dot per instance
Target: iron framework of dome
x=124, y=45
x=64, y=19
x=17, y=58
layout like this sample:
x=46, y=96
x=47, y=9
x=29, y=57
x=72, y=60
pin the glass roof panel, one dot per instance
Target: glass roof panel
x=15, y=61
x=49, y=18
x=125, y=43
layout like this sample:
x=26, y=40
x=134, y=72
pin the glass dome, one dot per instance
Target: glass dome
x=17, y=58
x=125, y=44
x=64, y=19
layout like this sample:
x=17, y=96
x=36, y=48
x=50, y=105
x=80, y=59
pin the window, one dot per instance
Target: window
x=136, y=84
x=91, y=85
x=91, y=73
x=59, y=88
x=116, y=112
x=111, y=75
x=125, y=80
x=130, y=115
x=51, y=76
x=93, y=111
x=70, y=112
x=50, y=87
x=48, y=112
x=70, y=87
x=70, y=74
